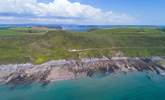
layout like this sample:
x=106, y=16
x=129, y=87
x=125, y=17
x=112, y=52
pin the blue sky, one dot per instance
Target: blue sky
x=137, y=12
x=146, y=11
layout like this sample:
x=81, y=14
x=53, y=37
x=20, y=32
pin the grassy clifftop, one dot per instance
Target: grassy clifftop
x=19, y=45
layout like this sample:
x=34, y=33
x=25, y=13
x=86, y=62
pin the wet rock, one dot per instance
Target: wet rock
x=72, y=69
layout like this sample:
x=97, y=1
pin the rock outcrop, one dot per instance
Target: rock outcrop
x=72, y=69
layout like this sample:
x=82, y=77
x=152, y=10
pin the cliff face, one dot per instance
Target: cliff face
x=72, y=69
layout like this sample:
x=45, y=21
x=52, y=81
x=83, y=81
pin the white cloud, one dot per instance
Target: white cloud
x=62, y=11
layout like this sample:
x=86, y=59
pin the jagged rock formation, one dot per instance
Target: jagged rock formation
x=72, y=69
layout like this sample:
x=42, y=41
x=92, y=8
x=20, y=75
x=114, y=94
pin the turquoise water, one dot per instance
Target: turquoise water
x=131, y=86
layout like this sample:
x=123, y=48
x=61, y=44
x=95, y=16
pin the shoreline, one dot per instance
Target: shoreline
x=57, y=70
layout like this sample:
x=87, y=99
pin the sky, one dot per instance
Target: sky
x=100, y=12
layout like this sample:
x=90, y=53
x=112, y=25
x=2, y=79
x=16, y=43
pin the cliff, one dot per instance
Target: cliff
x=72, y=69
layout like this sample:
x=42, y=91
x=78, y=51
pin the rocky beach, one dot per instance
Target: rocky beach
x=57, y=70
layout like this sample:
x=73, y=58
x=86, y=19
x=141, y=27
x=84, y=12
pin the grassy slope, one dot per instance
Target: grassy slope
x=38, y=46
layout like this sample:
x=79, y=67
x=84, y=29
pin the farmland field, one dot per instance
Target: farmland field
x=38, y=45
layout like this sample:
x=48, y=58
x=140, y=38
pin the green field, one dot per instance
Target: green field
x=21, y=45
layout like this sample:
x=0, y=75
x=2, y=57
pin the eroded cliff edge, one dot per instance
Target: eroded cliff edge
x=72, y=69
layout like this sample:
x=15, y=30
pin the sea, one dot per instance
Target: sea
x=117, y=86
x=78, y=28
